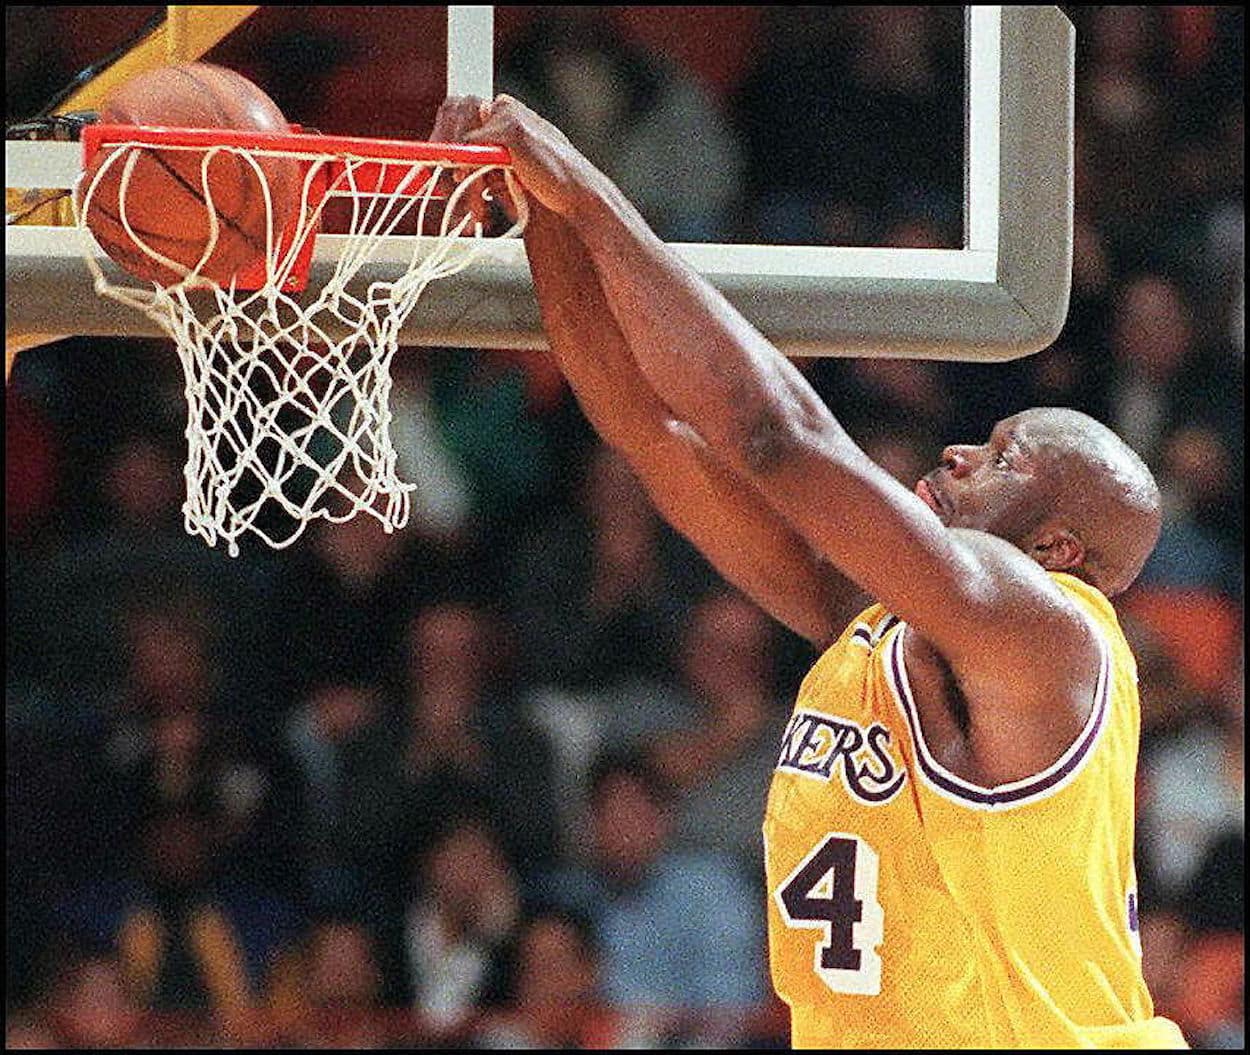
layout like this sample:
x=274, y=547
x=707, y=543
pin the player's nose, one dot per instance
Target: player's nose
x=958, y=460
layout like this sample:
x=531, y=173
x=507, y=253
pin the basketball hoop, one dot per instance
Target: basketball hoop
x=288, y=379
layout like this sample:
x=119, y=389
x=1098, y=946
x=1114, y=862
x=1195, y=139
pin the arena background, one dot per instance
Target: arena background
x=399, y=790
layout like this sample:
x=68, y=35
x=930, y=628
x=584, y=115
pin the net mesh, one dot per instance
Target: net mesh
x=288, y=389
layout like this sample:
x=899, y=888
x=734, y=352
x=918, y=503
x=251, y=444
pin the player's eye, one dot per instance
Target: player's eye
x=1000, y=462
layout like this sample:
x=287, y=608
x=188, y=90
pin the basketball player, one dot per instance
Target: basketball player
x=949, y=832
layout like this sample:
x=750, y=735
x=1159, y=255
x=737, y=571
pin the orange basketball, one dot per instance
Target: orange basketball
x=165, y=196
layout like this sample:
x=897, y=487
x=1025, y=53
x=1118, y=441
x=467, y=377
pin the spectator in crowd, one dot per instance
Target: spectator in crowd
x=630, y=110
x=326, y=992
x=442, y=500
x=1180, y=405
x=184, y=940
x=179, y=950
x=1191, y=850
x=88, y=1004
x=466, y=740
x=118, y=535
x=170, y=668
x=1198, y=545
x=350, y=805
x=1168, y=700
x=848, y=113
x=1075, y=371
x=459, y=927
x=183, y=760
x=338, y=608
x=1209, y=982
x=1152, y=340
x=152, y=729
x=500, y=449
x=595, y=594
x=1121, y=105
x=1159, y=96
x=597, y=627
x=553, y=995
x=1182, y=816
x=720, y=757
x=675, y=929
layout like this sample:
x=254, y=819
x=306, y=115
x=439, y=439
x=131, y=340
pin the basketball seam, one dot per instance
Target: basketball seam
x=220, y=98
x=223, y=119
x=206, y=91
x=226, y=221
x=147, y=235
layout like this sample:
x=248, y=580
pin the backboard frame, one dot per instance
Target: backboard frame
x=1002, y=296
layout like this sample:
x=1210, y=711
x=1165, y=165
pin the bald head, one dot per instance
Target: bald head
x=1097, y=488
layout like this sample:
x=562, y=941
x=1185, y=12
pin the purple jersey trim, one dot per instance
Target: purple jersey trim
x=1017, y=791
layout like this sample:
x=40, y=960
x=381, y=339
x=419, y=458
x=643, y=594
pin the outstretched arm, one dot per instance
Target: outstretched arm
x=742, y=536
x=764, y=423
x=735, y=529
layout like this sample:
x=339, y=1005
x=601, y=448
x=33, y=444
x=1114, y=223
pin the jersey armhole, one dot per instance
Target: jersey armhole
x=1049, y=781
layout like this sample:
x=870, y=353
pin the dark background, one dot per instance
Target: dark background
x=253, y=784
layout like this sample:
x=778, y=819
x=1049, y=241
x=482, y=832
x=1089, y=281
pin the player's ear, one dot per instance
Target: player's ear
x=1057, y=549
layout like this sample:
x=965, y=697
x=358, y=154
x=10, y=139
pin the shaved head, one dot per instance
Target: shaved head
x=1101, y=490
x=1062, y=487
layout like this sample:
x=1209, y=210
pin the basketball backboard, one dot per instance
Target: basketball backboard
x=1002, y=294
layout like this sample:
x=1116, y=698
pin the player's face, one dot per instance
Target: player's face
x=1000, y=486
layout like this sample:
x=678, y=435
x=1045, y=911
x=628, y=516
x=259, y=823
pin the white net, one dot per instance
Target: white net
x=288, y=392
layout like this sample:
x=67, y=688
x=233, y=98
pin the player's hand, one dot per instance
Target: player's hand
x=547, y=164
x=486, y=195
x=456, y=118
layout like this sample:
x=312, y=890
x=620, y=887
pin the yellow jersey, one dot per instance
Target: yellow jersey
x=908, y=907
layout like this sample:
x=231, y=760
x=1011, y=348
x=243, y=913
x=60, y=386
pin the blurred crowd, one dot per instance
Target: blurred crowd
x=497, y=780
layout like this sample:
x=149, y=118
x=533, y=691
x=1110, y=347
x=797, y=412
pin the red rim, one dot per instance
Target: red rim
x=95, y=137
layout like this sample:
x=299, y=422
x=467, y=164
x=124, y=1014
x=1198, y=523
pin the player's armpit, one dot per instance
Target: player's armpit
x=741, y=535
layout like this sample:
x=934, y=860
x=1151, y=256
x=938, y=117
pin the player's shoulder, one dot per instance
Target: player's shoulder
x=1025, y=633
x=1086, y=597
x=1009, y=579
x=1095, y=607
x=998, y=556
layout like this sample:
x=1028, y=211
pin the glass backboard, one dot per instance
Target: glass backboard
x=988, y=278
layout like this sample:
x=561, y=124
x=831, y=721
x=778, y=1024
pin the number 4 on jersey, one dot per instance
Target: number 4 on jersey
x=834, y=889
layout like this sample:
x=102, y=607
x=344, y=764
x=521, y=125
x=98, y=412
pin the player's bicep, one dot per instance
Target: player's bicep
x=955, y=587
x=741, y=535
x=854, y=514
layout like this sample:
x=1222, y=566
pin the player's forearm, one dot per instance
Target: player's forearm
x=584, y=337
x=692, y=489
x=703, y=359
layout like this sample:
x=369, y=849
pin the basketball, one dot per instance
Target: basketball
x=165, y=195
